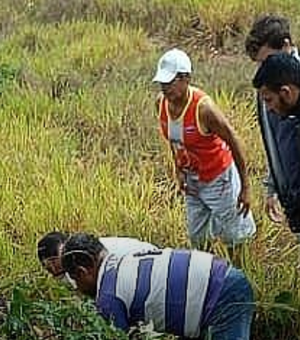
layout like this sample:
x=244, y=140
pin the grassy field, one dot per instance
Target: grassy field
x=80, y=148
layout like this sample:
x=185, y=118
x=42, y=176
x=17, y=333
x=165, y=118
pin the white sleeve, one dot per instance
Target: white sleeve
x=121, y=246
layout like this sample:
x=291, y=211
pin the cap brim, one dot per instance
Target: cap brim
x=163, y=76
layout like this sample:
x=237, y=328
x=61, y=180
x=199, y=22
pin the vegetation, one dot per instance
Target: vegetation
x=80, y=148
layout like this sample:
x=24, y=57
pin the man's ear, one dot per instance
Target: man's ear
x=285, y=90
x=81, y=272
x=286, y=45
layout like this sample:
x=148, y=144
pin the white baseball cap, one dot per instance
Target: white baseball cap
x=170, y=64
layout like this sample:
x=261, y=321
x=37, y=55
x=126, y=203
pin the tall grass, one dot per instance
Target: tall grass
x=79, y=142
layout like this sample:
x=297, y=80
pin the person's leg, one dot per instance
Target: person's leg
x=239, y=231
x=198, y=222
x=198, y=216
x=232, y=316
x=221, y=197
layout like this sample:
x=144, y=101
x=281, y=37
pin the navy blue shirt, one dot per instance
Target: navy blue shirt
x=287, y=137
x=281, y=138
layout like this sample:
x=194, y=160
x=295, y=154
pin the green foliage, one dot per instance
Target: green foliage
x=65, y=319
x=80, y=148
x=8, y=74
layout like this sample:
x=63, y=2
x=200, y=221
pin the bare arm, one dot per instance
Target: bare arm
x=157, y=101
x=273, y=207
x=215, y=122
x=180, y=177
x=269, y=182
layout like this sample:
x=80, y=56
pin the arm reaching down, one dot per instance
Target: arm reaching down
x=215, y=122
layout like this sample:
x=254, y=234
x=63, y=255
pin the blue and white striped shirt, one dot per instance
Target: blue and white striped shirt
x=167, y=287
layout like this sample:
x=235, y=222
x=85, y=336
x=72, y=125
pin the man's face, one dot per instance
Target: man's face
x=53, y=265
x=266, y=50
x=281, y=102
x=175, y=90
x=86, y=280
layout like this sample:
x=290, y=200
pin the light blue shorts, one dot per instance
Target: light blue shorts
x=212, y=209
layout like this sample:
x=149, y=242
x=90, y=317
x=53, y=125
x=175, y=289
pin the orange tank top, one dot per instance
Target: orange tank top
x=207, y=155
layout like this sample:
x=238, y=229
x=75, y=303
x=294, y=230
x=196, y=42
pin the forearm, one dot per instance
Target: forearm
x=239, y=159
x=215, y=122
x=270, y=185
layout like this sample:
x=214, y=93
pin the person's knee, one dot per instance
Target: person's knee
x=239, y=232
x=235, y=242
x=198, y=231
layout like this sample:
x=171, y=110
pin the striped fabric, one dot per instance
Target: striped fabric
x=166, y=287
x=121, y=246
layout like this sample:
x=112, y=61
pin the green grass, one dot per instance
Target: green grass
x=80, y=148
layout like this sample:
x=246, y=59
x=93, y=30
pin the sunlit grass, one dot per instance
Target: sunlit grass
x=80, y=147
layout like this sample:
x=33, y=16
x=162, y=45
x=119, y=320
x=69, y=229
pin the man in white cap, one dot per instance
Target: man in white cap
x=209, y=161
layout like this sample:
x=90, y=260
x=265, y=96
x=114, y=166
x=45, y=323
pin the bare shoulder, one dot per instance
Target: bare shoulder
x=158, y=100
x=207, y=108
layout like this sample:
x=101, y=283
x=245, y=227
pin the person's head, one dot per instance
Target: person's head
x=82, y=256
x=173, y=74
x=269, y=34
x=278, y=82
x=49, y=252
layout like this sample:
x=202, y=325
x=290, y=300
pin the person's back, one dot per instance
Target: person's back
x=180, y=292
x=121, y=246
x=167, y=287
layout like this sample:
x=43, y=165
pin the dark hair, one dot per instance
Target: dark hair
x=276, y=71
x=49, y=244
x=183, y=75
x=81, y=250
x=270, y=30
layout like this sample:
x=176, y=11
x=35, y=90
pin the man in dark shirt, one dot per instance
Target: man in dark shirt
x=268, y=35
x=278, y=83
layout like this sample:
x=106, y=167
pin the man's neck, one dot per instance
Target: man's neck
x=177, y=106
x=102, y=255
x=295, y=111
